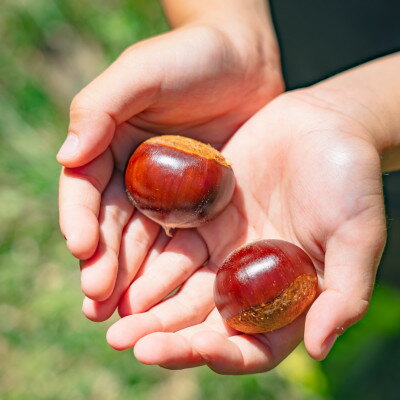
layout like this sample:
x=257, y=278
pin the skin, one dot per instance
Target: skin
x=153, y=88
x=320, y=189
x=330, y=205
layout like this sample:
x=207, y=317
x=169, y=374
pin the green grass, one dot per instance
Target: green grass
x=48, y=350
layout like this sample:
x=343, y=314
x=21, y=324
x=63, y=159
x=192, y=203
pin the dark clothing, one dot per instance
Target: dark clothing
x=320, y=38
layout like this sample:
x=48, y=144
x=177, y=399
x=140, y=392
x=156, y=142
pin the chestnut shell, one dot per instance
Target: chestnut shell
x=178, y=182
x=264, y=286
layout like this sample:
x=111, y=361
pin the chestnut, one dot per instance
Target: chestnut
x=178, y=182
x=264, y=286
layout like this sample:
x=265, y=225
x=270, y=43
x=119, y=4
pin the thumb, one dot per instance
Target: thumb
x=351, y=259
x=126, y=88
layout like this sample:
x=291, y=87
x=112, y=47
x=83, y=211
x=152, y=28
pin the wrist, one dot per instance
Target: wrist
x=362, y=120
x=376, y=112
x=370, y=94
x=255, y=44
x=360, y=114
x=245, y=25
x=257, y=53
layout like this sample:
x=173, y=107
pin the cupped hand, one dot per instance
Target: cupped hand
x=307, y=172
x=197, y=81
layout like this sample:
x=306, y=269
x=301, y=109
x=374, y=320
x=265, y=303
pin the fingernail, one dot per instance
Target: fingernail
x=70, y=146
x=328, y=344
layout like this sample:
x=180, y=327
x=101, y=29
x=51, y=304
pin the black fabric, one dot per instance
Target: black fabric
x=319, y=38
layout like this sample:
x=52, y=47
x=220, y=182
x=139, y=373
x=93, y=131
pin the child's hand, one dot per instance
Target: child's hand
x=200, y=81
x=307, y=172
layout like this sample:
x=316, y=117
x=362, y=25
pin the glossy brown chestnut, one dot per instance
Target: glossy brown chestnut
x=178, y=182
x=264, y=286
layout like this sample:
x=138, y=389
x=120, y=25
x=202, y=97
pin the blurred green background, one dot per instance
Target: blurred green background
x=48, y=350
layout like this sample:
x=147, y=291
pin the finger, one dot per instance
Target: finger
x=351, y=260
x=137, y=240
x=98, y=274
x=240, y=354
x=155, y=349
x=79, y=204
x=183, y=255
x=124, y=89
x=188, y=307
x=221, y=348
x=158, y=247
x=124, y=306
x=247, y=354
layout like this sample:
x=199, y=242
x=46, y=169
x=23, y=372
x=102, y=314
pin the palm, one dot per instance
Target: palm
x=317, y=186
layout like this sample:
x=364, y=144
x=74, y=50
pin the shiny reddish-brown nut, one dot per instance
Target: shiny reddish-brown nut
x=178, y=182
x=264, y=286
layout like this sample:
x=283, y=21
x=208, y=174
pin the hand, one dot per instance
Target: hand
x=307, y=172
x=199, y=81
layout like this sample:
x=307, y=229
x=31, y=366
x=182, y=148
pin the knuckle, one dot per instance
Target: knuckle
x=85, y=100
x=78, y=103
